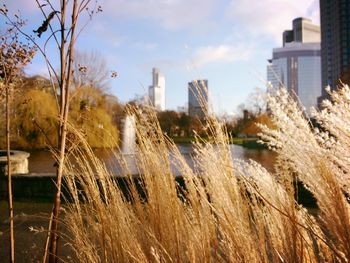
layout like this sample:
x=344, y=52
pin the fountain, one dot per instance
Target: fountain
x=128, y=163
x=129, y=135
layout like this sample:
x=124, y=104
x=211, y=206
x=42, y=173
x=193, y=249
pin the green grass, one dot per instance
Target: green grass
x=233, y=140
x=183, y=139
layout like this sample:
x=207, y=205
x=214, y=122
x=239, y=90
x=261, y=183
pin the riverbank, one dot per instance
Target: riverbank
x=39, y=183
x=31, y=217
x=250, y=143
x=42, y=187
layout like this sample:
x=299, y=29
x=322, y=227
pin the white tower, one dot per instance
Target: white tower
x=156, y=91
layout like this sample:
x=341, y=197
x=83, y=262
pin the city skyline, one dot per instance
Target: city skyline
x=297, y=64
x=335, y=43
x=198, y=98
x=156, y=91
x=227, y=42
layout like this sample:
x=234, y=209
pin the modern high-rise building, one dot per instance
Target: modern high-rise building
x=156, y=91
x=304, y=31
x=198, y=98
x=297, y=65
x=335, y=45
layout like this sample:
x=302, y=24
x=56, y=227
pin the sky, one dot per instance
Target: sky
x=227, y=42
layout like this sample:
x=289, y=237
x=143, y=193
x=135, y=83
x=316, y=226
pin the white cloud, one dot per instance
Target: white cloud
x=104, y=31
x=145, y=45
x=269, y=18
x=171, y=14
x=33, y=69
x=222, y=53
x=163, y=63
x=22, y=5
x=313, y=12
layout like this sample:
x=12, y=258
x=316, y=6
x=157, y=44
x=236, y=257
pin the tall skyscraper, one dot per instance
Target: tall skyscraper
x=304, y=31
x=335, y=45
x=156, y=91
x=198, y=98
x=297, y=65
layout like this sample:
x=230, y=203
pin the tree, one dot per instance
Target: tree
x=90, y=69
x=35, y=119
x=91, y=80
x=14, y=55
x=257, y=101
x=114, y=108
x=34, y=115
x=92, y=114
x=168, y=121
x=64, y=36
x=184, y=123
x=252, y=128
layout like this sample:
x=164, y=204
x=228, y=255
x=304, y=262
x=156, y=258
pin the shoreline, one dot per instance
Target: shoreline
x=249, y=143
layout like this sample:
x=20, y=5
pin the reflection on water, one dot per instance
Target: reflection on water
x=263, y=156
x=42, y=161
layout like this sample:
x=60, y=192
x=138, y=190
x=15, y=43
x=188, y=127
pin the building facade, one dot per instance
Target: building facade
x=198, y=98
x=335, y=45
x=297, y=65
x=304, y=31
x=156, y=91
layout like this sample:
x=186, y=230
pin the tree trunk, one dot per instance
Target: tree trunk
x=65, y=90
x=9, y=181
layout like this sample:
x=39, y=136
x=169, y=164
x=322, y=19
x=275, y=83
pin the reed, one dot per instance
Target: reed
x=229, y=210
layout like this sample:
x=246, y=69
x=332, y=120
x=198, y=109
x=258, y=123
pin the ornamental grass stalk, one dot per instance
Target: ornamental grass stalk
x=227, y=210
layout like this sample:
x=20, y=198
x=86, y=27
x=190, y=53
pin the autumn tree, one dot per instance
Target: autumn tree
x=252, y=112
x=168, y=121
x=34, y=115
x=252, y=126
x=180, y=124
x=35, y=120
x=184, y=124
x=93, y=115
x=93, y=110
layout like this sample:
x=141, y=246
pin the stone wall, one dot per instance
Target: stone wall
x=30, y=186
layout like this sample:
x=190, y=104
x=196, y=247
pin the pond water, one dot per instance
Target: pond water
x=42, y=161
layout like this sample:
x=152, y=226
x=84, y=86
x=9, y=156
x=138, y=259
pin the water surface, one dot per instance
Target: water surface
x=42, y=161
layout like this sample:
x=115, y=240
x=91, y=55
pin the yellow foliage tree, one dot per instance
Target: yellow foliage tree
x=90, y=113
x=35, y=120
x=252, y=128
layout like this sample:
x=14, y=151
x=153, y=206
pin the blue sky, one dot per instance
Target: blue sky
x=224, y=41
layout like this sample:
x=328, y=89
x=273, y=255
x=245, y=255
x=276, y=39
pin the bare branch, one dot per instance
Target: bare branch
x=35, y=44
x=42, y=11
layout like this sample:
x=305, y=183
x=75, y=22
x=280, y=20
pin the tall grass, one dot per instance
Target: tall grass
x=229, y=210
